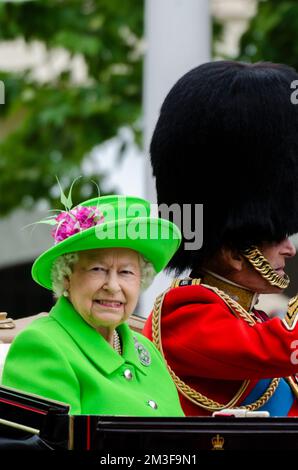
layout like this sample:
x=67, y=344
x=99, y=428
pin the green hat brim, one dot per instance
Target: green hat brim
x=158, y=247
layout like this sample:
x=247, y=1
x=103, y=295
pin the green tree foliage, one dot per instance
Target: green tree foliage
x=48, y=128
x=272, y=34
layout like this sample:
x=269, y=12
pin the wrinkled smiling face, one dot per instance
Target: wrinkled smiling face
x=105, y=285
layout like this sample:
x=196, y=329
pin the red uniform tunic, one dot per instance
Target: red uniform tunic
x=213, y=351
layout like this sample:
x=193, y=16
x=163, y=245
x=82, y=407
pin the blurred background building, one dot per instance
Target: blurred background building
x=83, y=85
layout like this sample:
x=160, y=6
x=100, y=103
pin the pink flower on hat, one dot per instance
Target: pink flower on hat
x=76, y=220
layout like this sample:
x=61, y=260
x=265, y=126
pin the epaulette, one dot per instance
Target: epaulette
x=291, y=316
x=187, y=281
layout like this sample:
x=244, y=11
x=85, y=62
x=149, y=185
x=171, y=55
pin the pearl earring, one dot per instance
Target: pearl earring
x=65, y=293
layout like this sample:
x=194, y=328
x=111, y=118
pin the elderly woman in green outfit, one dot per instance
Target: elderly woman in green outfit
x=106, y=250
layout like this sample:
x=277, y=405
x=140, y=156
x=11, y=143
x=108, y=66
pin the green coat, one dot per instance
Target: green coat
x=61, y=357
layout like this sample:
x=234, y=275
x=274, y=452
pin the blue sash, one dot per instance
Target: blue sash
x=279, y=404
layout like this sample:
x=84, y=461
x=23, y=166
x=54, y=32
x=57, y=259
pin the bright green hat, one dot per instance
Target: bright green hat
x=107, y=222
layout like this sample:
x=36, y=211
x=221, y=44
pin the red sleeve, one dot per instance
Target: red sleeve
x=202, y=338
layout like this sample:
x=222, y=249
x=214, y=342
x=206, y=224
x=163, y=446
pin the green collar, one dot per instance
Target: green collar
x=98, y=350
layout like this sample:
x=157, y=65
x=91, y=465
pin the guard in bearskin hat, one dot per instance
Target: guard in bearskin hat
x=227, y=138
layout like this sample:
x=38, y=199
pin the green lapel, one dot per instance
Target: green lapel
x=92, y=344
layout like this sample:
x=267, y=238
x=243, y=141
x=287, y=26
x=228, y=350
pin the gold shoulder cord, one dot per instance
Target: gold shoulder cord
x=194, y=396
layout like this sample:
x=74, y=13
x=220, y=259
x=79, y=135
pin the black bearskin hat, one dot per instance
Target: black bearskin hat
x=227, y=138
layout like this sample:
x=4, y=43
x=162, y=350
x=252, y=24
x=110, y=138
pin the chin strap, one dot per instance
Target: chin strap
x=262, y=265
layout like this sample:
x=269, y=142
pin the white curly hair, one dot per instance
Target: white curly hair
x=63, y=268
